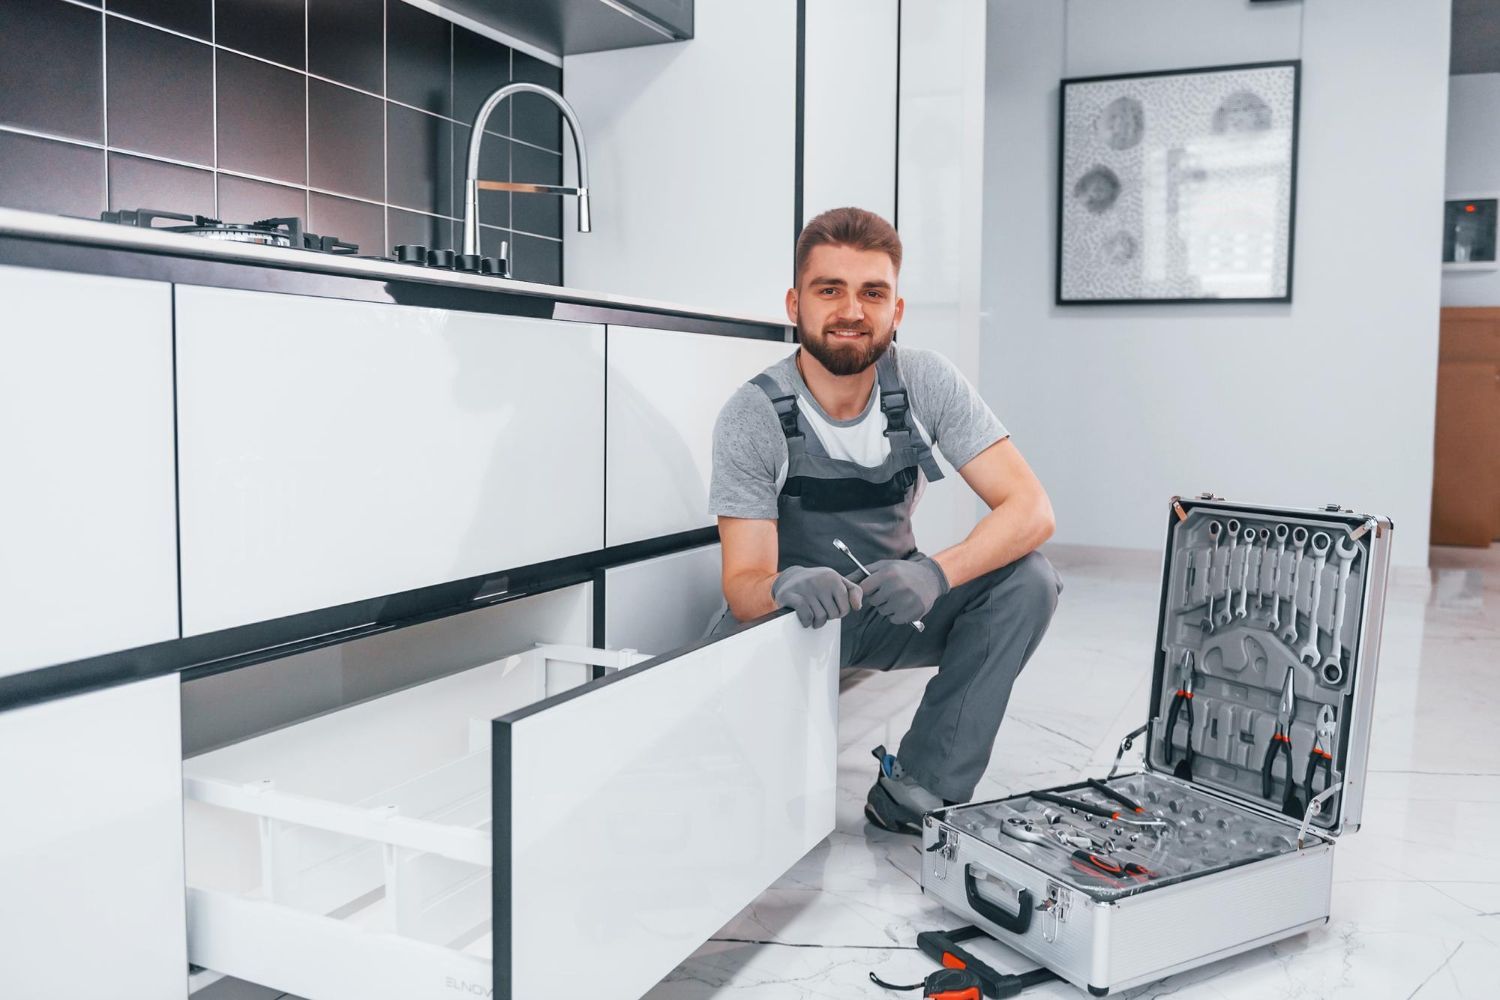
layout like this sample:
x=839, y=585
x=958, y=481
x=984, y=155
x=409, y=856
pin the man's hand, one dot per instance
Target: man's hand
x=816, y=593
x=904, y=590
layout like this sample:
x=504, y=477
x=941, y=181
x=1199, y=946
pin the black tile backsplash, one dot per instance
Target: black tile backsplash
x=52, y=68
x=345, y=141
x=360, y=127
x=136, y=182
x=262, y=119
x=534, y=259
x=41, y=175
x=191, y=17
x=247, y=201
x=346, y=42
x=270, y=29
x=161, y=90
x=418, y=47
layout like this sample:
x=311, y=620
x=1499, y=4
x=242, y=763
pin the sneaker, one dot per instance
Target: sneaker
x=896, y=802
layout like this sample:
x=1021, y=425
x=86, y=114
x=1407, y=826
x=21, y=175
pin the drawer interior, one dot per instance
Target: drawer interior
x=377, y=816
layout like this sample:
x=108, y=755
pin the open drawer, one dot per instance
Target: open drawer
x=496, y=828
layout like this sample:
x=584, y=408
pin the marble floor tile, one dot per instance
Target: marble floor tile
x=1416, y=904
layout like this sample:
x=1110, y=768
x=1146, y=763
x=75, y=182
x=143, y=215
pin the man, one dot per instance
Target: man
x=833, y=442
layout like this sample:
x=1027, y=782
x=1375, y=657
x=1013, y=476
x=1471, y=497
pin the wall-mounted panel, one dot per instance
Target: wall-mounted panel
x=665, y=391
x=333, y=451
x=88, y=549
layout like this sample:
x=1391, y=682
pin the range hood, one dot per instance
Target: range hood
x=571, y=27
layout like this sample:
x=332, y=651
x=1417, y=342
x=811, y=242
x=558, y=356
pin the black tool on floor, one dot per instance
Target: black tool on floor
x=943, y=948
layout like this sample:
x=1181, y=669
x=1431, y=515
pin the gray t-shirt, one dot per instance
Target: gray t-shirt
x=750, y=455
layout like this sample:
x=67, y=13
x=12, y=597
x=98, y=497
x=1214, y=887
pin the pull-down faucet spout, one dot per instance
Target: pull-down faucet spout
x=473, y=185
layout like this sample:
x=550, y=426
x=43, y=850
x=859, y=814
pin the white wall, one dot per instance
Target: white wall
x=941, y=186
x=1327, y=399
x=1473, y=168
x=849, y=106
x=691, y=148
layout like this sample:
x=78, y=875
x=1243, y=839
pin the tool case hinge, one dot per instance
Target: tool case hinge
x=1177, y=507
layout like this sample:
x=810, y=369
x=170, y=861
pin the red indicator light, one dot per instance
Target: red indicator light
x=1470, y=208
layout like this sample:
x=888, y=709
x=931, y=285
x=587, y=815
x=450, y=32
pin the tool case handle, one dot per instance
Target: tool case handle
x=1017, y=923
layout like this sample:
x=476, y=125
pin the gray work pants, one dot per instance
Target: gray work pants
x=980, y=635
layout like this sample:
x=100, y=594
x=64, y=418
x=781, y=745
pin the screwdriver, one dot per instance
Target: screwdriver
x=838, y=543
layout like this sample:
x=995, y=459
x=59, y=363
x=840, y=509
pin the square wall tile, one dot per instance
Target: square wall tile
x=540, y=214
x=480, y=67
x=242, y=200
x=417, y=51
x=537, y=260
x=191, y=17
x=161, y=90
x=271, y=29
x=262, y=119
x=346, y=141
x=351, y=221
x=40, y=175
x=135, y=182
x=419, y=161
x=51, y=68
x=422, y=230
x=346, y=42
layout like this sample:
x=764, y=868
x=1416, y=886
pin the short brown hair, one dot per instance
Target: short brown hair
x=847, y=227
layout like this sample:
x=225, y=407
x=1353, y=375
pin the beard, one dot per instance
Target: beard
x=841, y=357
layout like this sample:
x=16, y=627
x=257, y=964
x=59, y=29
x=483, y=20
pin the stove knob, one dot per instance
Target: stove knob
x=489, y=265
x=411, y=253
x=467, y=262
x=440, y=258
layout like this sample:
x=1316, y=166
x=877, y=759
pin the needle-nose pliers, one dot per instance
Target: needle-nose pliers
x=1183, y=698
x=1281, y=744
x=1321, y=756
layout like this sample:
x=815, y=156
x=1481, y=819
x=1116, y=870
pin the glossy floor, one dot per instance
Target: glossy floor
x=1416, y=906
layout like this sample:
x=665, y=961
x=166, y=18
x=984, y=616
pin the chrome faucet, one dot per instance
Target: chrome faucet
x=473, y=185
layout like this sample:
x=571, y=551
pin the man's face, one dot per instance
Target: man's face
x=845, y=307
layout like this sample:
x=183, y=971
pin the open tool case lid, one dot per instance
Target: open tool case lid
x=1283, y=610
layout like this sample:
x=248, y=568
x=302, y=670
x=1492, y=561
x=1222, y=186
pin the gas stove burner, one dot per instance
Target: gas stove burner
x=285, y=232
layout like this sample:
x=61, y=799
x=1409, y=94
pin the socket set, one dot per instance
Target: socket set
x=1257, y=737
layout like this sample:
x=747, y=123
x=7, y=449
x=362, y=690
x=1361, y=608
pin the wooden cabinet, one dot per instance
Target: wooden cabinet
x=88, y=550
x=333, y=451
x=665, y=392
x=1466, y=453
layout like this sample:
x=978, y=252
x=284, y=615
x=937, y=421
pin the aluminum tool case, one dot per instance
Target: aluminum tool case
x=1226, y=873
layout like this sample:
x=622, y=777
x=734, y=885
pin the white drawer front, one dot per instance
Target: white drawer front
x=634, y=818
x=665, y=392
x=333, y=451
x=664, y=603
x=88, y=548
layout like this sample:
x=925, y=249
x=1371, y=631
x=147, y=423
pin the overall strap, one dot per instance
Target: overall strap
x=896, y=407
x=785, y=404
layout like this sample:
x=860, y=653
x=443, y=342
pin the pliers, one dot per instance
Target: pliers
x=1321, y=757
x=1183, y=697
x=1117, y=874
x=1281, y=743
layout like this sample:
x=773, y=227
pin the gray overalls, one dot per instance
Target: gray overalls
x=980, y=633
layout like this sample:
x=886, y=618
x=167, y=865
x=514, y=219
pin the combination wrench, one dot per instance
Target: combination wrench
x=1299, y=542
x=1260, y=568
x=1332, y=668
x=1227, y=614
x=1248, y=536
x=1281, y=533
x=1320, y=545
x=1214, y=530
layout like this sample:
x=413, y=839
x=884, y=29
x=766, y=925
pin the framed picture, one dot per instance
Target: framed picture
x=1178, y=186
x=1469, y=232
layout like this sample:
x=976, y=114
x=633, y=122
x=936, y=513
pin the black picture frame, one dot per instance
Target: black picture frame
x=1243, y=112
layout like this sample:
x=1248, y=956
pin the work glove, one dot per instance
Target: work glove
x=816, y=593
x=903, y=590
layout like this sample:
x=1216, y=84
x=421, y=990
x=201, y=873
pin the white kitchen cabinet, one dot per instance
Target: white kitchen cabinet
x=654, y=605
x=88, y=548
x=665, y=392
x=91, y=880
x=333, y=451
x=497, y=828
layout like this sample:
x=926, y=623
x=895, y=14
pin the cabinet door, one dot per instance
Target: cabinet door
x=93, y=904
x=661, y=604
x=665, y=392
x=634, y=816
x=88, y=546
x=333, y=451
